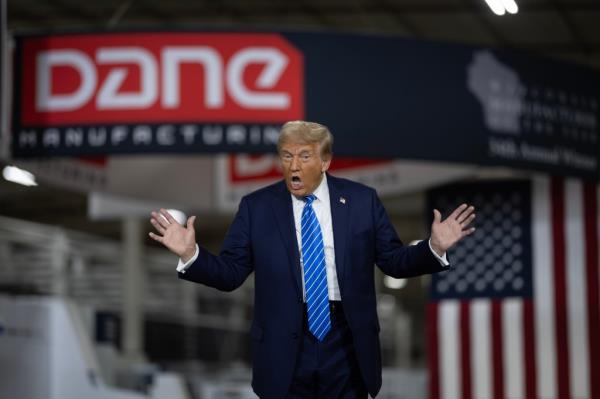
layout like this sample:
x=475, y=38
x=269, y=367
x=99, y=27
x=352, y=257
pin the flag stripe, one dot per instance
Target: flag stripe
x=481, y=353
x=560, y=300
x=449, y=352
x=434, y=366
x=592, y=280
x=497, y=356
x=545, y=338
x=512, y=329
x=576, y=292
x=465, y=349
x=529, y=350
x=519, y=314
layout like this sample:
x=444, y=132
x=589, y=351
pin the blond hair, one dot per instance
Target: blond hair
x=307, y=133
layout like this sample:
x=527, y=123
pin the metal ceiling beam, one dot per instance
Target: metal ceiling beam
x=491, y=29
x=17, y=11
x=219, y=9
x=368, y=8
x=77, y=10
x=119, y=13
x=571, y=26
x=392, y=10
x=141, y=8
x=314, y=12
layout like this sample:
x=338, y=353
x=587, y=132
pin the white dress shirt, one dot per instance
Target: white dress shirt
x=322, y=208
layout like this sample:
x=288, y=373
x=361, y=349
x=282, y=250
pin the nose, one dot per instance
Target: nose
x=295, y=165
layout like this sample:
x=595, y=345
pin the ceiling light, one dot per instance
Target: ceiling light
x=501, y=7
x=17, y=175
x=496, y=6
x=510, y=6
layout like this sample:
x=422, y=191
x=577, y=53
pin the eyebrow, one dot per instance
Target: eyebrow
x=305, y=152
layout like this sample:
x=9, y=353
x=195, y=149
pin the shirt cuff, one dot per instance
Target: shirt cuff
x=442, y=259
x=182, y=266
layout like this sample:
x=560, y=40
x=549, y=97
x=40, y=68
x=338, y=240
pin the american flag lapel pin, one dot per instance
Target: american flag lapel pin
x=342, y=200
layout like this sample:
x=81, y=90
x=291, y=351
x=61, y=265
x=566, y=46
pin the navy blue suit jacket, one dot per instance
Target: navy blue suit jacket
x=262, y=239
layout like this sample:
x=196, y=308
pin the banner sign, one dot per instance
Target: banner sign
x=209, y=92
x=123, y=93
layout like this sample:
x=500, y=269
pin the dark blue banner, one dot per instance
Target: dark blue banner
x=381, y=97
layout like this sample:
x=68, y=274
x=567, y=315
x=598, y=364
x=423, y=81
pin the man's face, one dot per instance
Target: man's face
x=302, y=167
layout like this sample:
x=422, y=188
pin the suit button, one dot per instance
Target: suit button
x=295, y=335
x=300, y=300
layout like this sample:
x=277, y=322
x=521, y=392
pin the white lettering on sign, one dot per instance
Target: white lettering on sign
x=210, y=59
x=45, y=100
x=109, y=96
x=275, y=62
x=219, y=78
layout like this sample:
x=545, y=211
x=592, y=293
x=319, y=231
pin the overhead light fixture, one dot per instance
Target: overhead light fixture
x=19, y=176
x=501, y=7
x=510, y=6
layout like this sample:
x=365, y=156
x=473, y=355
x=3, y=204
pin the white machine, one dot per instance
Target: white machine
x=46, y=353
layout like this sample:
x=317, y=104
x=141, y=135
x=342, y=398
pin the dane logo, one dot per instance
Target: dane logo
x=172, y=77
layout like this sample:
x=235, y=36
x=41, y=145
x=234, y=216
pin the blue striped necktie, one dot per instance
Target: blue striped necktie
x=315, y=275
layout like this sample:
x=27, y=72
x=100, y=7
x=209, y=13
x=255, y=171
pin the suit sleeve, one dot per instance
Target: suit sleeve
x=392, y=256
x=228, y=270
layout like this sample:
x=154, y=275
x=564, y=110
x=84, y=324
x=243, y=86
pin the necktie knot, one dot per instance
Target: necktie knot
x=310, y=198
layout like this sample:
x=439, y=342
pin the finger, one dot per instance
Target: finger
x=157, y=226
x=468, y=231
x=457, y=211
x=465, y=214
x=437, y=216
x=160, y=219
x=466, y=222
x=156, y=237
x=190, y=222
x=167, y=216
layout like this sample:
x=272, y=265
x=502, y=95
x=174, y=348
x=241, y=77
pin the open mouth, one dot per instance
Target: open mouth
x=296, y=183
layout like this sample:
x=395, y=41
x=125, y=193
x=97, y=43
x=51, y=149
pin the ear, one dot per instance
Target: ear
x=325, y=164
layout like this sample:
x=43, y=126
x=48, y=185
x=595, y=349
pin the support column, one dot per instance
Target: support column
x=134, y=279
x=9, y=271
x=58, y=253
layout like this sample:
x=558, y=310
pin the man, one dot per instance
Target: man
x=312, y=241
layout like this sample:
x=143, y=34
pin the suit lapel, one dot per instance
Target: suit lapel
x=339, y=219
x=284, y=214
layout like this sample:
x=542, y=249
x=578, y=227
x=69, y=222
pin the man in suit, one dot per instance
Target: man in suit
x=311, y=240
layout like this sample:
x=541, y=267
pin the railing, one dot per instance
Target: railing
x=37, y=258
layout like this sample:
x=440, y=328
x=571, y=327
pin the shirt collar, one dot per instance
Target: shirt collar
x=322, y=189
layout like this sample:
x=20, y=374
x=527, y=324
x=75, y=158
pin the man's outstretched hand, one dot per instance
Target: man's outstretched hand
x=178, y=239
x=444, y=234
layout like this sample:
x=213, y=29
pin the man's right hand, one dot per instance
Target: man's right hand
x=178, y=239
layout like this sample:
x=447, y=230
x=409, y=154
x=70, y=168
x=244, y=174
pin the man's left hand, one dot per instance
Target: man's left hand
x=444, y=234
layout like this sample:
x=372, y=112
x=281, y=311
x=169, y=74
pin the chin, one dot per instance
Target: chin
x=299, y=192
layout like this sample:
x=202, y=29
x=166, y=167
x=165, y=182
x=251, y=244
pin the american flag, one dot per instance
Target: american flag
x=518, y=315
